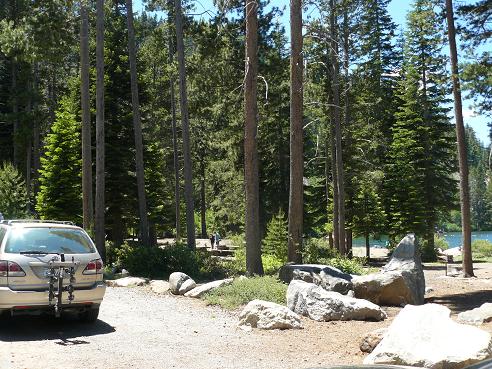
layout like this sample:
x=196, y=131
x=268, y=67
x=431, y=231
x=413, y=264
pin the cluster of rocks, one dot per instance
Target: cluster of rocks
x=178, y=284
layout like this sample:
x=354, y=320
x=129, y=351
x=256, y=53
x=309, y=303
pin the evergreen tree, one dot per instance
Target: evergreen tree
x=13, y=196
x=276, y=239
x=59, y=196
x=422, y=153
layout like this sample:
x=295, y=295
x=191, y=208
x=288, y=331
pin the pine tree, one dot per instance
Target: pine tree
x=276, y=239
x=13, y=195
x=59, y=196
x=422, y=155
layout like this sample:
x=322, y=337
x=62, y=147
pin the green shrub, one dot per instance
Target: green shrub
x=242, y=291
x=271, y=264
x=346, y=265
x=152, y=262
x=440, y=243
x=482, y=248
x=276, y=240
x=316, y=249
x=13, y=195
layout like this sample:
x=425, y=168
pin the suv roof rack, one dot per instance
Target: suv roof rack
x=14, y=221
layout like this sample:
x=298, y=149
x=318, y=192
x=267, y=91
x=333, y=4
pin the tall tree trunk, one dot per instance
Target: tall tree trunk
x=87, y=201
x=188, y=175
x=338, y=131
x=174, y=129
x=15, y=111
x=100, y=153
x=462, y=154
x=346, y=107
x=137, y=128
x=203, y=205
x=29, y=147
x=336, y=203
x=36, y=140
x=296, y=134
x=253, y=243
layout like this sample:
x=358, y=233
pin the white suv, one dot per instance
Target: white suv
x=48, y=266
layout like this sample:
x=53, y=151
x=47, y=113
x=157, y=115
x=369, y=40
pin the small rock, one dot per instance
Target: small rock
x=372, y=339
x=187, y=285
x=159, y=286
x=268, y=315
x=176, y=281
x=199, y=291
x=334, y=280
x=125, y=273
x=127, y=282
x=429, y=290
x=477, y=316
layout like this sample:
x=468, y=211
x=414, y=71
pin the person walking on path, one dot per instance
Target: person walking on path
x=212, y=240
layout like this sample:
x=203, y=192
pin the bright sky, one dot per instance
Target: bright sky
x=398, y=10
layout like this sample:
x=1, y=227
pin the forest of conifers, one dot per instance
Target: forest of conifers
x=374, y=146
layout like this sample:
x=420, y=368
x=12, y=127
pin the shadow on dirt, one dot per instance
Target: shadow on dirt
x=65, y=332
x=463, y=301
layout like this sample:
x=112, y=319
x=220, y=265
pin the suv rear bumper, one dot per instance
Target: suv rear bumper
x=10, y=299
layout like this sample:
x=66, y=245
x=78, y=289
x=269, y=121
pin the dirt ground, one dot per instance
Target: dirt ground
x=138, y=329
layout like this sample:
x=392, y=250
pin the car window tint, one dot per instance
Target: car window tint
x=49, y=240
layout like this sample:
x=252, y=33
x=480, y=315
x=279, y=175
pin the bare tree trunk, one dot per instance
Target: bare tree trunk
x=137, y=128
x=100, y=153
x=174, y=129
x=87, y=201
x=188, y=175
x=336, y=212
x=338, y=130
x=36, y=155
x=15, y=111
x=253, y=243
x=462, y=154
x=203, y=205
x=296, y=134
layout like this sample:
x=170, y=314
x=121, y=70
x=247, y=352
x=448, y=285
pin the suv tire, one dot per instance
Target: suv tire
x=90, y=315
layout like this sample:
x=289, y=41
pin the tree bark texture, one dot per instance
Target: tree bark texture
x=296, y=134
x=253, y=243
x=174, y=130
x=137, y=128
x=100, y=153
x=338, y=130
x=87, y=200
x=462, y=153
x=185, y=128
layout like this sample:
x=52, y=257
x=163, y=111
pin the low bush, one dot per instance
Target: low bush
x=271, y=263
x=346, y=265
x=156, y=262
x=440, y=243
x=244, y=290
x=482, y=248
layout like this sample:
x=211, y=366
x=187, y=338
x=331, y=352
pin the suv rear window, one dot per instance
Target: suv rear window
x=49, y=240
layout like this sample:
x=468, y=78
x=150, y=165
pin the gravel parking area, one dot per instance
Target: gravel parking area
x=138, y=329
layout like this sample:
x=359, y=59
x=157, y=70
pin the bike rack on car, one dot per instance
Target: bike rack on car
x=58, y=270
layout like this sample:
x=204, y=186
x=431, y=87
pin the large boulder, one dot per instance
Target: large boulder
x=268, y=315
x=480, y=315
x=328, y=277
x=127, y=282
x=180, y=283
x=318, y=304
x=426, y=336
x=401, y=280
x=200, y=290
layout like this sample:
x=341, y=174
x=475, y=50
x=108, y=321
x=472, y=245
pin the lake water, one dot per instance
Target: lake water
x=452, y=238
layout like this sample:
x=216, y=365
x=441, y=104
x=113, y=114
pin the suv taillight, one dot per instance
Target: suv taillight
x=11, y=269
x=94, y=267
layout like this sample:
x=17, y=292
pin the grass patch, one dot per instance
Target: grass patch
x=242, y=291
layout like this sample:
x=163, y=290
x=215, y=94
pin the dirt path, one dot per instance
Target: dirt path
x=138, y=329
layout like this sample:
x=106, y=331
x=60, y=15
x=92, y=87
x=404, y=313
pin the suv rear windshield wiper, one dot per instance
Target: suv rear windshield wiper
x=34, y=252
